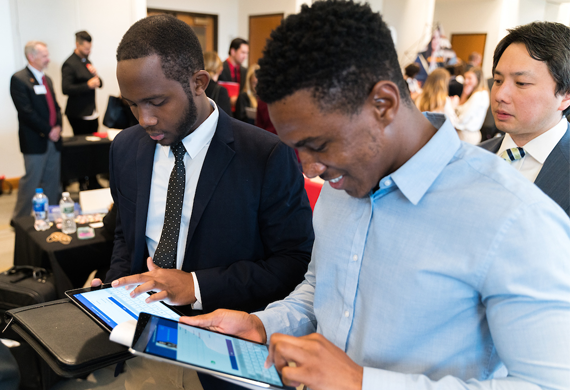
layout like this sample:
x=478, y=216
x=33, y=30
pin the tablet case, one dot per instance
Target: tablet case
x=64, y=336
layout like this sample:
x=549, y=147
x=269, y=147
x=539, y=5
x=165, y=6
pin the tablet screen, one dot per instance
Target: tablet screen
x=209, y=350
x=114, y=305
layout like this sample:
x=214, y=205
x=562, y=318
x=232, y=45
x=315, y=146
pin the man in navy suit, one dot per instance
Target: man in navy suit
x=39, y=130
x=530, y=99
x=244, y=229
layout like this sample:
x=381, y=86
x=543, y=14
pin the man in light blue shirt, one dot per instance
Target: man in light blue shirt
x=415, y=282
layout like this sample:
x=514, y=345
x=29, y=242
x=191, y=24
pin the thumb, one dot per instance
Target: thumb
x=150, y=264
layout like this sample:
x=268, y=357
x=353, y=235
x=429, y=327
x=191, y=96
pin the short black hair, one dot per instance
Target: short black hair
x=547, y=42
x=412, y=70
x=236, y=43
x=82, y=36
x=338, y=49
x=169, y=38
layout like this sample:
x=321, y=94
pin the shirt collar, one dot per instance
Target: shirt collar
x=199, y=138
x=417, y=175
x=38, y=74
x=540, y=147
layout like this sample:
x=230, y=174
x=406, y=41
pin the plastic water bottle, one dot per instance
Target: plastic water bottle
x=40, y=202
x=67, y=210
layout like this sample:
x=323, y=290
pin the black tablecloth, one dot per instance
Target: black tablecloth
x=81, y=158
x=71, y=264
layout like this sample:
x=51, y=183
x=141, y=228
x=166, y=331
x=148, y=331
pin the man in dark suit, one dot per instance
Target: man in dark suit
x=231, y=227
x=79, y=80
x=530, y=99
x=233, y=69
x=39, y=119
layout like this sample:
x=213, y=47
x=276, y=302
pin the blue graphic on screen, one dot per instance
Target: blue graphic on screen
x=212, y=350
x=115, y=305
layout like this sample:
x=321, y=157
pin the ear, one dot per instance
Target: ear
x=565, y=102
x=385, y=97
x=200, y=80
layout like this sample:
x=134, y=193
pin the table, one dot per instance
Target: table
x=71, y=264
x=81, y=158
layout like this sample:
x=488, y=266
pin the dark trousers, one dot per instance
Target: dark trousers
x=81, y=126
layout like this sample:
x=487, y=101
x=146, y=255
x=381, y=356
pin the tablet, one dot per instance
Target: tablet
x=226, y=357
x=110, y=306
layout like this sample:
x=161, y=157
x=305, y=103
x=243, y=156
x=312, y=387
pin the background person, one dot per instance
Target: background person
x=233, y=66
x=213, y=65
x=79, y=80
x=39, y=129
x=248, y=97
x=434, y=92
x=410, y=73
x=467, y=114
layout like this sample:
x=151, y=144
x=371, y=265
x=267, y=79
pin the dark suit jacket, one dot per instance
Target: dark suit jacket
x=554, y=177
x=74, y=77
x=33, y=112
x=226, y=75
x=250, y=235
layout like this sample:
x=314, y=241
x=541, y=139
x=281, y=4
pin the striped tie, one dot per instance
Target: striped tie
x=513, y=154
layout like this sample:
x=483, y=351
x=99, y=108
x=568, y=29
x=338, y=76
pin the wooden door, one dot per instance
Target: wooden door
x=260, y=27
x=205, y=26
x=465, y=44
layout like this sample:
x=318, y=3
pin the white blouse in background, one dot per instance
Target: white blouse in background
x=468, y=118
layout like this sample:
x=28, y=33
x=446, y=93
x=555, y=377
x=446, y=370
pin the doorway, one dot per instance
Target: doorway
x=465, y=44
x=205, y=26
x=260, y=27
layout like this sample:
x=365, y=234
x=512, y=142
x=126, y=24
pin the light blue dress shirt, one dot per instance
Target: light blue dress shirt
x=455, y=272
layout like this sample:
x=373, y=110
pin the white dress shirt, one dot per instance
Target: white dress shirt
x=536, y=151
x=38, y=74
x=196, y=144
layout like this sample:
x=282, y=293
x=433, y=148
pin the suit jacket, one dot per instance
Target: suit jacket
x=554, y=177
x=33, y=112
x=250, y=234
x=74, y=77
x=226, y=75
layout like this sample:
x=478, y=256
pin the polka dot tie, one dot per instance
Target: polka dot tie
x=513, y=154
x=165, y=255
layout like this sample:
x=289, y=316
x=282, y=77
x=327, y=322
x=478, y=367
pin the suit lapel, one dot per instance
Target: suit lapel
x=145, y=160
x=219, y=155
x=33, y=81
x=554, y=177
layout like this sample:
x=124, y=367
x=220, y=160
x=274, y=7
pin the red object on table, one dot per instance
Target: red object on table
x=313, y=191
x=100, y=135
x=233, y=90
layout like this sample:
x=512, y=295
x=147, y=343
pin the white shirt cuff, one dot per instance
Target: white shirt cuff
x=198, y=304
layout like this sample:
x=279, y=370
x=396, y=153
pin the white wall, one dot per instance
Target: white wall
x=248, y=8
x=472, y=17
x=412, y=20
x=531, y=11
x=11, y=161
x=55, y=22
x=556, y=12
x=227, y=11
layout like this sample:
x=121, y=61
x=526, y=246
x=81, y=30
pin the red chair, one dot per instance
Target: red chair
x=313, y=191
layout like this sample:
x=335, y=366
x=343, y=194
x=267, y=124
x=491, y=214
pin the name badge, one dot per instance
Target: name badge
x=40, y=89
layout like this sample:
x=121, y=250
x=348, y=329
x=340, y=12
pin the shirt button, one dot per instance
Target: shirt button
x=355, y=258
x=388, y=183
x=346, y=313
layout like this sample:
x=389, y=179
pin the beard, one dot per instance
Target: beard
x=189, y=118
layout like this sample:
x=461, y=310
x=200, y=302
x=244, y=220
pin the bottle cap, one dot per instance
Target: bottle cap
x=66, y=194
x=39, y=190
